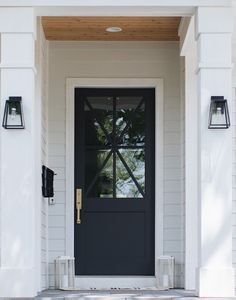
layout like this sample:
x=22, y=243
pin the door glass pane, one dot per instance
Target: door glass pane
x=129, y=132
x=130, y=126
x=125, y=184
x=99, y=173
x=98, y=120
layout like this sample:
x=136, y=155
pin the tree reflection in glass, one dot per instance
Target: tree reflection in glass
x=125, y=185
x=100, y=161
x=115, y=129
x=130, y=125
x=98, y=120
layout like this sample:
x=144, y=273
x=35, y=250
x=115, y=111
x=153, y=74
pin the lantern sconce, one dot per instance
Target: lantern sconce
x=13, y=114
x=219, y=113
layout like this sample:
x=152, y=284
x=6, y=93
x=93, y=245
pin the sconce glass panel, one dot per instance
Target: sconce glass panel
x=13, y=114
x=219, y=113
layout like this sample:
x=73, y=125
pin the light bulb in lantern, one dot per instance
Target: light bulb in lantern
x=218, y=117
x=218, y=111
x=13, y=113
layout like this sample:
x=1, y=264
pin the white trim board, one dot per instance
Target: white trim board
x=103, y=3
x=71, y=84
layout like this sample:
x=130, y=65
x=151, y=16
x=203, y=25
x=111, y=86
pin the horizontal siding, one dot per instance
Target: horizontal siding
x=122, y=59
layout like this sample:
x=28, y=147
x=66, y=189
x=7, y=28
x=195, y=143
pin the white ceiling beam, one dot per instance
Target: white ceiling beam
x=184, y=34
x=114, y=11
x=123, y=8
x=161, y=3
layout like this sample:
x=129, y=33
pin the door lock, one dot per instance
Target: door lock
x=78, y=204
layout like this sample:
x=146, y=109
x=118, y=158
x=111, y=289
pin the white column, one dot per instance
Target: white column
x=189, y=50
x=18, y=215
x=215, y=275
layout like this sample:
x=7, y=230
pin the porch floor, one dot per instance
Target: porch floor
x=117, y=294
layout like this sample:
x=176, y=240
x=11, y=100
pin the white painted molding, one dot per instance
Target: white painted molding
x=209, y=66
x=189, y=50
x=215, y=272
x=183, y=34
x=217, y=65
x=17, y=19
x=24, y=279
x=115, y=11
x=183, y=26
x=18, y=66
x=20, y=190
x=160, y=3
x=191, y=171
x=214, y=20
x=71, y=84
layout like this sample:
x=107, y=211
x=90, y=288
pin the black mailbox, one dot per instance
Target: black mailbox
x=47, y=182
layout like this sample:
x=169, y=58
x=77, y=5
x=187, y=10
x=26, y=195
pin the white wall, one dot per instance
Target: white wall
x=117, y=59
x=20, y=189
x=233, y=119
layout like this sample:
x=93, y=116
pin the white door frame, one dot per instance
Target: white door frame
x=71, y=84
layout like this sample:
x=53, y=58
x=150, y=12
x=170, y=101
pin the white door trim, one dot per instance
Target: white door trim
x=71, y=84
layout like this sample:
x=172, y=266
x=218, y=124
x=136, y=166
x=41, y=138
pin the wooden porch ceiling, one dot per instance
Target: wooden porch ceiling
x=94, y=28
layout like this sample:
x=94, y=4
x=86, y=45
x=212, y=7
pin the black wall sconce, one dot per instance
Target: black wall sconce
x=219, y=113
x=13, y=114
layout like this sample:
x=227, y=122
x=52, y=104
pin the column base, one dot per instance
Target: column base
x=17, y=283
x=215, y=282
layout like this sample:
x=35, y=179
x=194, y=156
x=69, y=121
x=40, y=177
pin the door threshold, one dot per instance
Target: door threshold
x=114, y=276
x=115, y=282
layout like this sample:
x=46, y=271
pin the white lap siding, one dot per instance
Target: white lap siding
x=117, y=59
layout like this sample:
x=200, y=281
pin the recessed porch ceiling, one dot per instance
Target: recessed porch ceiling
x=94, y=28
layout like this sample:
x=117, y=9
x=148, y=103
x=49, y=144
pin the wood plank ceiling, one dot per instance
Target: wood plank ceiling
x=94, y=28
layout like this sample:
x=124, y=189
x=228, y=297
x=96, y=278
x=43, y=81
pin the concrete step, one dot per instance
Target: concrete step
x=117, y=295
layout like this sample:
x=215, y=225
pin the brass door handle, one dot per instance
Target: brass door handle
x=78, y=204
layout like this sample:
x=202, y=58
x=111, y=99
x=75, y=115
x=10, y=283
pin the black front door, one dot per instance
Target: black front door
x=115, y=168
